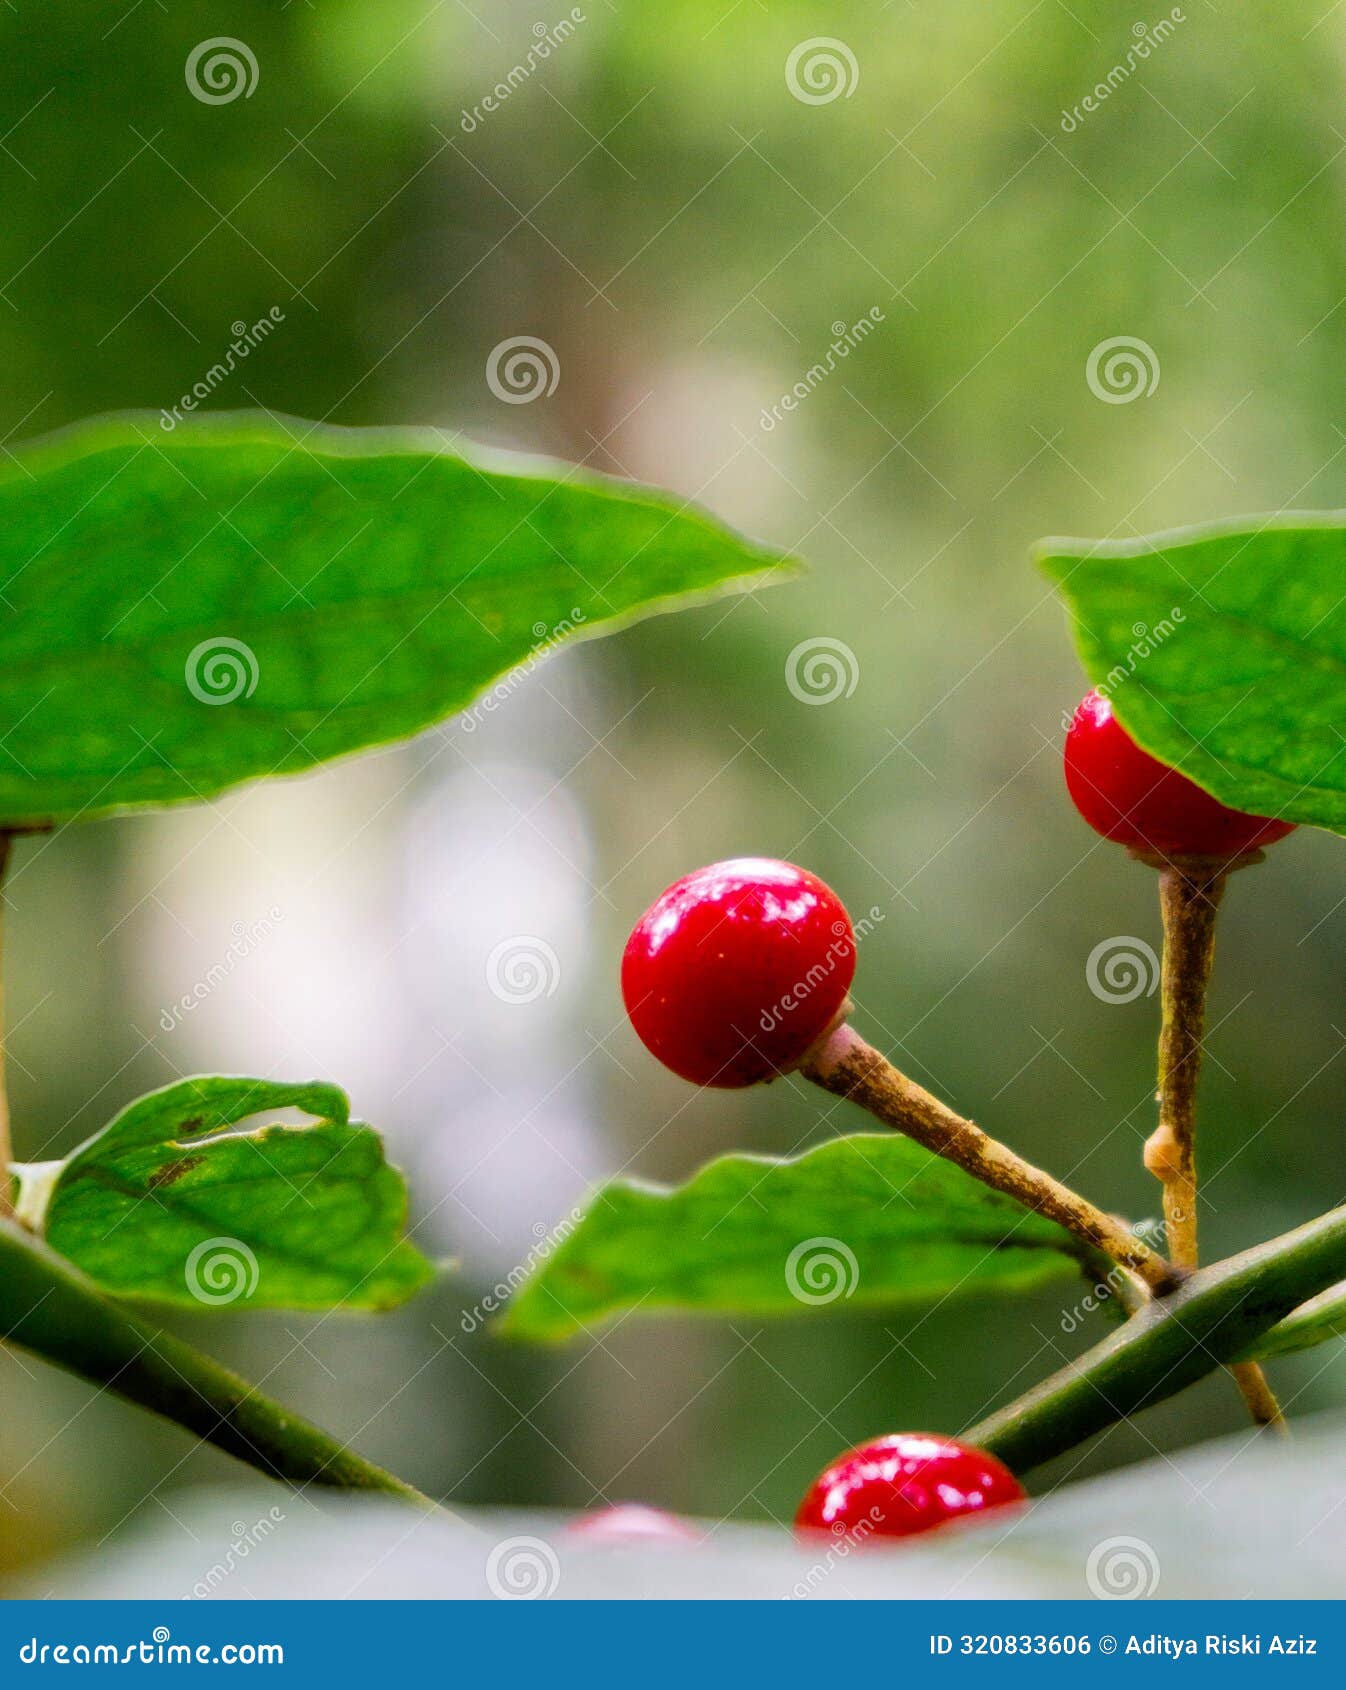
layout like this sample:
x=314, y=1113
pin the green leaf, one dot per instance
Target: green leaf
x=865, y=1220
x=166, y=1204
x=1316, y=1322
x=50, y=1308
x=1223, y=650
x=247, y=596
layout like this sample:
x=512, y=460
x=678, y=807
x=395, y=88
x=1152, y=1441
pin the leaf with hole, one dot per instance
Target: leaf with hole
x=168, y=1203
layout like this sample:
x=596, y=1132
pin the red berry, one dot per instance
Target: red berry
x=627, y=1522
x=735, y=970
x=1127, y=795
x=903, y=1484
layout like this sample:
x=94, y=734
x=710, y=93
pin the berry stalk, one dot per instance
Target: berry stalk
x=1190, y=891
x=846, y=1065
x=1189, y=900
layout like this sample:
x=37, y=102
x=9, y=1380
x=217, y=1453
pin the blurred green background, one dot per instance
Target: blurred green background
x=655, y=203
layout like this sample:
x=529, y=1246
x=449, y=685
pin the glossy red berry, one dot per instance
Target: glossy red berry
x=903, y=1484
x=1127, y=795
x=630, y=1522
x=735, y=970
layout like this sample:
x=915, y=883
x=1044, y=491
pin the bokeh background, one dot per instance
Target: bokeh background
x=657, y=204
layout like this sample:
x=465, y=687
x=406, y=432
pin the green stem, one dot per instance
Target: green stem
x=48, y=1307
x=1212, y=1319
x=6, y=1144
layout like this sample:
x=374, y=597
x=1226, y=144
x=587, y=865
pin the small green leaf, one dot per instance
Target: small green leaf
x=246, y=596
x=1316, y=1322
x=863, y=1220
x=1223, y=650
x=166, y=1204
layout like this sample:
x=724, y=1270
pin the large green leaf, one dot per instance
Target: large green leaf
x=1224, y=652
x=244, y=596
x=867, y=1219
x=167, y=1204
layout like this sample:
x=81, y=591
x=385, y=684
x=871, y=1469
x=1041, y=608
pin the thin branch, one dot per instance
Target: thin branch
x=1189, y=901
x=48, y=1307
x=844, y=1064
x=1213, y=1318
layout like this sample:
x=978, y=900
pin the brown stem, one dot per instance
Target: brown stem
x=1259, y=1396
x=1190, y=891
x=6, y=1145
x=1189, y=899
x=844, y=1064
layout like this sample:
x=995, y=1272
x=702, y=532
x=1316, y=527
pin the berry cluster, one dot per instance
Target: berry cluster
x=741, y=971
